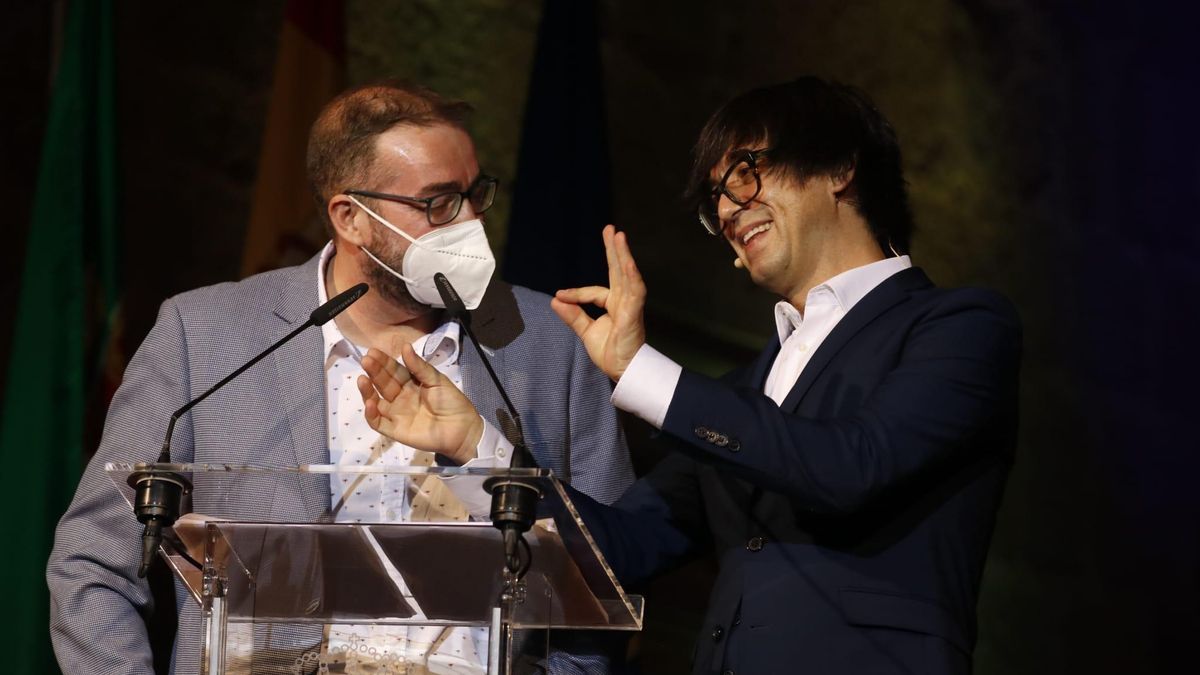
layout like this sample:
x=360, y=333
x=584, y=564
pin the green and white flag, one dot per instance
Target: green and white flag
x=62, y=363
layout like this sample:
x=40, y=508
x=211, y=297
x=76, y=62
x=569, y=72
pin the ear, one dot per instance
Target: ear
x=839, y=183
x=349, y=222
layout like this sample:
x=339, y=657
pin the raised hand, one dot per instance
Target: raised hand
x=418, y=406
x=613, y=339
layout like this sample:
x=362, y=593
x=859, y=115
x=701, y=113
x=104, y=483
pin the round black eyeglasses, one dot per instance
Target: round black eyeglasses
x=741, y=184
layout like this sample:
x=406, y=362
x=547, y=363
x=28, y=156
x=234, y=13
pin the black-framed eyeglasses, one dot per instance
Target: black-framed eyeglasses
x=741, y=184
x=444, y=207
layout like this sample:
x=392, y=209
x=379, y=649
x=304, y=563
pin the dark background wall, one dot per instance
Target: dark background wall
x=1051, y=150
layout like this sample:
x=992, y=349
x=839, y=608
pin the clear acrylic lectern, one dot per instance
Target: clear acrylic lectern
x=283, y=592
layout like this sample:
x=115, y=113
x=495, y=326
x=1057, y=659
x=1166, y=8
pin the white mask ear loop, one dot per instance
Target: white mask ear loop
x=386, y=266
x=391, y=227
x=383, y=221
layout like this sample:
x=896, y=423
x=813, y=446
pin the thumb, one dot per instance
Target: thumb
x=572, y=315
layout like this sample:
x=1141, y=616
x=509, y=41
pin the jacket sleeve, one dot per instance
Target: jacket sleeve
x=956, y=377
x=97, y=603
x=659, y=523
x=599, y=460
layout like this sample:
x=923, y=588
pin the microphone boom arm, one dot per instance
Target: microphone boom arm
x=158, y=496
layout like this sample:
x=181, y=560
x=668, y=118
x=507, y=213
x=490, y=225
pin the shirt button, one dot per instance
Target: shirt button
x=500, y=453
x=755, y=544
x=718, y=631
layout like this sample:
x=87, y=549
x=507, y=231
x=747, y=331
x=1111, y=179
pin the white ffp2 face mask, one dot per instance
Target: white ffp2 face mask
x=459, y=251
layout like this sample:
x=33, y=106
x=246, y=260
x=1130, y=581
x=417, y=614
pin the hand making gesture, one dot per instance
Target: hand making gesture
x=418, y=406
x=613, y=339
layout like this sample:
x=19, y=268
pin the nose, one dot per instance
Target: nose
x=728, y=212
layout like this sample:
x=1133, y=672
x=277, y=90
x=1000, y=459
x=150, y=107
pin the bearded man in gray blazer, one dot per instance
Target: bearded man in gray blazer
x=398, y=183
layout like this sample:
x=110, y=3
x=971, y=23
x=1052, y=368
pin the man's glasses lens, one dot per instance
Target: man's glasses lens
x=444, y=208
x=709, y=218
x=483, y=193
x=740, y=184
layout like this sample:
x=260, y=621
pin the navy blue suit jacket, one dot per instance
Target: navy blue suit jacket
x=851, y=523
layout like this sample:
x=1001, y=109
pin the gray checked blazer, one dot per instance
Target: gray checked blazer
x=275, y=414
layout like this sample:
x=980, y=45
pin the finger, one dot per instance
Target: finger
x=572, y=315
x=388, y=376
x=425, y=374
x=370, y=399
x=596, y=295
x=610, y=254
x=625, y=257
x=633, y=278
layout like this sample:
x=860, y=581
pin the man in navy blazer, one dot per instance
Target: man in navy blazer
x=848, y=479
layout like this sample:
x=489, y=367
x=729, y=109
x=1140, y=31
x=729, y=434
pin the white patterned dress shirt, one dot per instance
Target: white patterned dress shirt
x=384, y=498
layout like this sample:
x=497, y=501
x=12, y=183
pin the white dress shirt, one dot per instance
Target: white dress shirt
x=648, y=384
x=353, y=442
x=377, y=498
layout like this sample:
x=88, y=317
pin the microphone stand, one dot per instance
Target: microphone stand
x=514, y=501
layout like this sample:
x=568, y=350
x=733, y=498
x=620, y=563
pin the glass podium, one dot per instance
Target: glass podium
x=295, y=590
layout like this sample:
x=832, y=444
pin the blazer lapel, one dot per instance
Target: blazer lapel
x=301, y=377
x=887, y=294
x=756, y=375
x=478, y=385
x=496, y=323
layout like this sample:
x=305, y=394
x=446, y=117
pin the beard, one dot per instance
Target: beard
x=392, y=288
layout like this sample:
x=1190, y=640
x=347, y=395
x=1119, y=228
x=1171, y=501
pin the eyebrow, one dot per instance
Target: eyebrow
x=448, y=186
x=439, y=188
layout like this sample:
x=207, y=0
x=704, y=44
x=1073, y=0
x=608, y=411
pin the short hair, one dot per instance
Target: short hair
x=341, y=145
x=814, y=128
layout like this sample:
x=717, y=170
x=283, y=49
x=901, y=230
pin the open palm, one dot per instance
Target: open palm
x=418, y=406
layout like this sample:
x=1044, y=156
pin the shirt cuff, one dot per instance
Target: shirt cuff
x=493, y=452
x=647, y=386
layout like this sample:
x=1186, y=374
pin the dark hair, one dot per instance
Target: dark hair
x=814, y=128
x=341, y=145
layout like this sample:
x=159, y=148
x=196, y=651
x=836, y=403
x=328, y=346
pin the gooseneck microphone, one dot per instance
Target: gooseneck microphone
x=514, y=502
x=159, y=496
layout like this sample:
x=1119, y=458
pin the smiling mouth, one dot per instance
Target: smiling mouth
x=755, y=232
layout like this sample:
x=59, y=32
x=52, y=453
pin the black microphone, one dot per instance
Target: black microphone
x=158, y=497
x=455, y=309
x=334, y=306
x=514, y=502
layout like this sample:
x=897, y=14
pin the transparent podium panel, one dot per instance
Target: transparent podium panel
x=288, y=583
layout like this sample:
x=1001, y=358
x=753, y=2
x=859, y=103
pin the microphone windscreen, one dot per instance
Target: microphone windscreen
x=451, y=299
x=334, y=306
